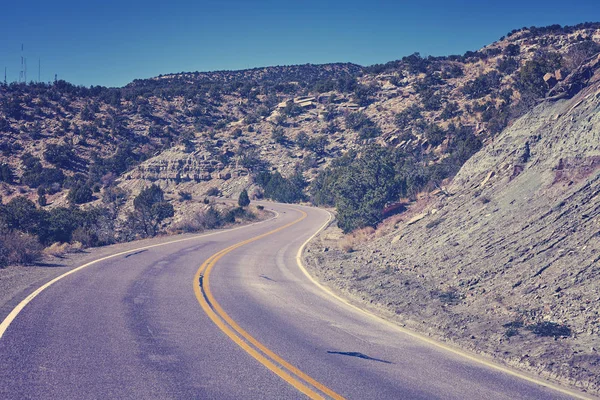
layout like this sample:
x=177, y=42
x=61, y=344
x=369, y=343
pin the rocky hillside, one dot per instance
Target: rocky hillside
x=304, y=115
x=506, y=261
x=274, y=130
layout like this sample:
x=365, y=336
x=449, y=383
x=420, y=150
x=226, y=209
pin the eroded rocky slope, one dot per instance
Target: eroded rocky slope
x=507, y=262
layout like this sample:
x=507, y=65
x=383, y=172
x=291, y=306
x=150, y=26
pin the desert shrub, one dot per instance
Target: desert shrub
x=250, y=159
x=359, y=122
x=34, y=175
x=363, y=187
x=21, y=214
x=61, y=156
x=352, y=240
x=369, y=132
x=212, y=218
x=449, y=297
x=452, y=71
x=4, y=252
x=434, y=134
x=6, y=173
x=191, y=223
x=428, y=83
x=41, y=192
x=80, y=194
x=278, y=136
x=292, y=109
x=87, y=113
x=547, y=328
x=431, y=100
x=512, y=50
x=434, y=223
x=581, y=52
x=317, y=144
x=60, y=249
x=482, y=85
x=512, y=328
x=508, y=65
x=330, y=113
x=84, y=237
x=213, y=191
x=408, y=116
x=363, y=94
x=451, y=110
x=184, y=196
x=236, y=133
x=13, y=109
x=510, y=332
x=531, y=74
x=302, y=140
x=22, y=248
x=150, y=209
x=415, y=63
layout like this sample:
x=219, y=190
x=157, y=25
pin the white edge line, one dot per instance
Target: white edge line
x=15, y=311
x=418, y=336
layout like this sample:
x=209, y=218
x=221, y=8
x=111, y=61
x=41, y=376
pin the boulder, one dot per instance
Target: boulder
x=550, y=80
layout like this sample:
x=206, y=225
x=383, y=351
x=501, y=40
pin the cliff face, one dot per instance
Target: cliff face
x=508, y=262
x=178, y=166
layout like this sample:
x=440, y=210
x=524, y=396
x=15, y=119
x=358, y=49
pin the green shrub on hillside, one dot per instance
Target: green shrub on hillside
x=81, y=193
x=482, y=85
x=150, y=209
x=6, y=174
x=531, y=75
x=278, y=188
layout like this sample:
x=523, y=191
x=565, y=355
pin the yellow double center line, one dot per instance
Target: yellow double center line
x=262, y=354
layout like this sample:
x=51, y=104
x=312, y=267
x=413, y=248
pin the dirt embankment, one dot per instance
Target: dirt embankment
x=508, y=263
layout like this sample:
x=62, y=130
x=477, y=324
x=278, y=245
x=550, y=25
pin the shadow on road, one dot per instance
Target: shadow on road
x=359, y=355
x=133, y=254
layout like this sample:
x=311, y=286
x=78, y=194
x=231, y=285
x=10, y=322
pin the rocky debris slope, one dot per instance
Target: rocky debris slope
x=508, y=262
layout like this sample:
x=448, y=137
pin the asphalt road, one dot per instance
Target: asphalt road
x=140, y=326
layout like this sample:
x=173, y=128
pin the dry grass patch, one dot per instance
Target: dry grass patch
x=61, y=249
x=352, y=240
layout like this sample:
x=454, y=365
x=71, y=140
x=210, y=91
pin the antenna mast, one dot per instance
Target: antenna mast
x=39, y=69
x=21, y=72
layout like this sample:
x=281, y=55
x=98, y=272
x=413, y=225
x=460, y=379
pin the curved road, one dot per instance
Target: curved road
x=141, y=326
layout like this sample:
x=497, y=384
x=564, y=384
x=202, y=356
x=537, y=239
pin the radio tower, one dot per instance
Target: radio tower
x=22, y=71
x=39, y=69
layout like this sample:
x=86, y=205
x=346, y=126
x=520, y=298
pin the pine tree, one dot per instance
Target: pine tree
x=244, y=200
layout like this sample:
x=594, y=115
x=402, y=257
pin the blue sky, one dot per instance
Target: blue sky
x=113, y=42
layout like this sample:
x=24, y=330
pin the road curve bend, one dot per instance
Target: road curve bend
x=227, y=316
